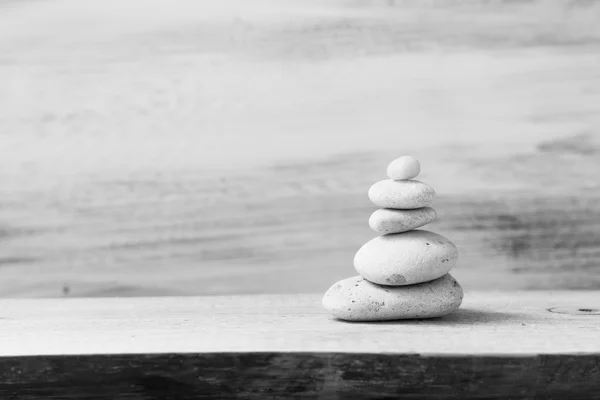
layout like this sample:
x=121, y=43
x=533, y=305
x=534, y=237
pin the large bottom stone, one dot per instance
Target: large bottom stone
x=356, y=299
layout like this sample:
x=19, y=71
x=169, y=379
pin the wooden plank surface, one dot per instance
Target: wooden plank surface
x=493, y=323
x=521, y=345
x=216, y=148
x=300, y=375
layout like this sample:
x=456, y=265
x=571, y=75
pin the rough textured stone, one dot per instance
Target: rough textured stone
x=388, y=220
x=408, y=194
x=406, y=258
x=356, y=299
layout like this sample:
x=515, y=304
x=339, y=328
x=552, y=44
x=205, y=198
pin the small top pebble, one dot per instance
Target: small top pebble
x=405, y=167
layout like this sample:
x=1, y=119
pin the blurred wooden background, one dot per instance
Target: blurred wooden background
x=193, y=147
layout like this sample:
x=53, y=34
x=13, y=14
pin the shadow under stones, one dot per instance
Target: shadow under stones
x=461, y=317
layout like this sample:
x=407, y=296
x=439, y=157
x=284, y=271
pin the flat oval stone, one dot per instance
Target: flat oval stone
x=406, y=258
x=405, y=167
x=401, y=194
x=356, y=299
x=388, y=220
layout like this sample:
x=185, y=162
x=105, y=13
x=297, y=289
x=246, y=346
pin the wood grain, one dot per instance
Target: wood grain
x=227, y=148
x=299, y=375
x=493, y=323
x=498, y=345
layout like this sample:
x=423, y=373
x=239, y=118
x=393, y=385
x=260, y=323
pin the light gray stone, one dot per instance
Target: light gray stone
x=356, y=299
x=389, y=220
x=408, y=194
x=406, y=258
x=405, y=167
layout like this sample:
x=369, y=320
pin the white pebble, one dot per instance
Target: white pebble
x=356, y=299
x=403, y=195
x=405, y=167
x=406, y=258
x=387, y=220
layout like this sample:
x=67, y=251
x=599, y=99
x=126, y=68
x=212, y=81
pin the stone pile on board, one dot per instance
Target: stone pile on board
x=403, y=272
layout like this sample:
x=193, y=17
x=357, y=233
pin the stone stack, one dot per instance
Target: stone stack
x=403, y=272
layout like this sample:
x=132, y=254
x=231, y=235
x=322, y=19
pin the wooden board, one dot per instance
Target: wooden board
x=488, y=323
x=498, y=345
x=217, y=147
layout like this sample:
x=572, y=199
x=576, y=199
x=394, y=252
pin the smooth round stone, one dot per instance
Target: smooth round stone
x=405, y=167
x=406, y=258
x=401, y=194
x=388, y=220
x=356, y=299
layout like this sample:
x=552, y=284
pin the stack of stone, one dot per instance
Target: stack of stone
x=403, y=272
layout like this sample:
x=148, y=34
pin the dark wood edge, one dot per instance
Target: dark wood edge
x=293, y=375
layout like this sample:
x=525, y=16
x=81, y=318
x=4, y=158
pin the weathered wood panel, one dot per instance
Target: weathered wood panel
x=300, y=375
x=522, y=345
x=203, y=148
x=488, y=323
